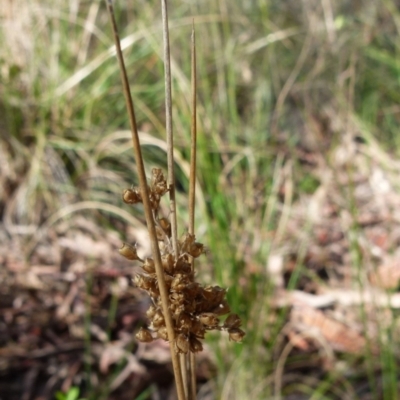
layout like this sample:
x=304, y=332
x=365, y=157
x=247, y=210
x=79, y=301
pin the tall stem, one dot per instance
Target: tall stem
x=168, y=122
x=170, y=156
x=192, y=193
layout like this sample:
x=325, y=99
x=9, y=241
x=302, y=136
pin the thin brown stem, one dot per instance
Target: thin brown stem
x=170, y=136
x=185, y=371
x=192, y=195
x=147, y=207
x=192, y=179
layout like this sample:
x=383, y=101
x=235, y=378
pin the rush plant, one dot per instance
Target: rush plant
x=182, y=309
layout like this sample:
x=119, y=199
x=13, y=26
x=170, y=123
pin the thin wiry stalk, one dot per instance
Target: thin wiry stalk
x=192, y=194
x=170, y=137
x=147, y=208
x=192, y=180
x=170, y=160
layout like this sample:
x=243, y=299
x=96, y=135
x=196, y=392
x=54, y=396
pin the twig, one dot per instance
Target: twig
x=148, y=209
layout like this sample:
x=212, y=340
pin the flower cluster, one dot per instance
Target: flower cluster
x=194, y=309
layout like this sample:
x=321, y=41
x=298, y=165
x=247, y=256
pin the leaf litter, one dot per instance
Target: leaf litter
x=343, y=239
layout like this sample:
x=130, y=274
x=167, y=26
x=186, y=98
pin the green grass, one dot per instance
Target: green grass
x=272, y=76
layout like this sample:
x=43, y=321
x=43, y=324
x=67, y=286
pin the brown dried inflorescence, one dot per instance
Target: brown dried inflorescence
x=195, y=309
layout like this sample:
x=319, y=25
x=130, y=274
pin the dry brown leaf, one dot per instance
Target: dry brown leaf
x=341, y=337
x=387, y=275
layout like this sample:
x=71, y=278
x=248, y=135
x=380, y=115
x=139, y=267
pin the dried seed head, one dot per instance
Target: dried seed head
x=162, y=333
x=192, y=290
x=168, y=280
x=196, y=249
x=198, y=329
x=158, y=319
x=195, y=345
x=132, y=196
x=154, y=291
x=184, y=322
x=144, y=335
x=158, y=182
x=194, y=309
x=222, y=308
x=144, y=282
x=214, y=294
x=167, y=261
x=154, y=200
x=186, y=241
x=149, y=266
x=177, y=308
x=183, y=266
x=236, y=335
x=209, y=319
x=232, y=321
x=181, y=344
x=179, y=282
x=165, y=225
x=151, y=311
x=177, y=298
x=129, y=252
x=160, y=233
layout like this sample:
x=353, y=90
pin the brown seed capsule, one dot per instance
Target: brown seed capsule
x=162, y=333
x=186, y=241
x=209, y=319
x=236, y=335
x=222, y=308
x=158, y=319
x=158, y=182
x=149, y=266
x=154, y=291
x=132, y=196
x=165, y=225
x=177, y=308
x=177, y=298
x=154, y=201
x=144, y=335
x=181, y=344
x=179, y=282
x=168, y=280
x=144, y=282
x=232, y=321
x=214, y=294
x=129, y=252
x=192, y=290
x=151, y=311
x=197, y=326
x=183, y=266
x=190, y=305
x=198, y=329
x=195, y=345
x=167, y=261
x=196, y=249
x=184, y=322
x=161, y=235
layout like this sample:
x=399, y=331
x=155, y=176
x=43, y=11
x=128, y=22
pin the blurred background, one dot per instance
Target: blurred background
x=297, y=200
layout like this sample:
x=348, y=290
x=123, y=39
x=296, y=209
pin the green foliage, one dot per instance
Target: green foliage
x=72, y=394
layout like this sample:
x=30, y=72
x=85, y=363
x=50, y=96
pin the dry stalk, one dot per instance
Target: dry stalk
x=170, y=136
x=192, y=194
x=147, y=207
x=170, y=158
